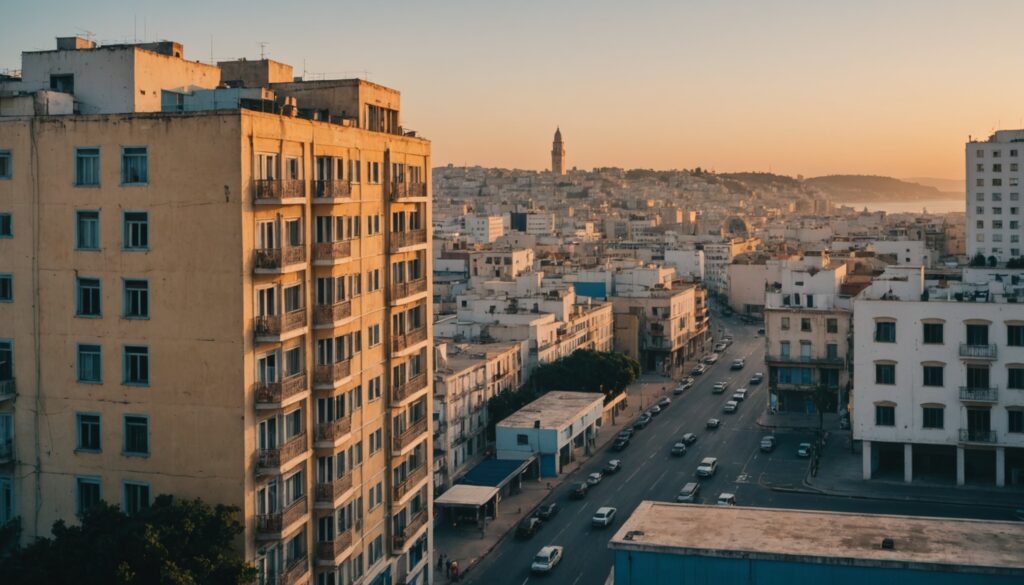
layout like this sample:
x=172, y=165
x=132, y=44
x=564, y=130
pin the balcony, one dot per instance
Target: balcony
x=327, y=315
x=411, y=480
x=273, y=524
x=273, y=394
x=296, y=570
x=401, y=290
x=971, y=394
x=407, y=389
x=832, y=361
x=977, y=436
x=328, y=552
x=327, y=191
x=328, y=375
x=330, y=432
x=407, y=238
x=274, y=191
x=402, y=342
x=269, y=460
x=277, y=260
x=8, y=390
x=978, y=351
x=415, y=523
x=402, y=190
x=329, y=253
x=328, y=492
x=411, y=435
x=271, y=328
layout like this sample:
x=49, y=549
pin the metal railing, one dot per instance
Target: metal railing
x=275, y=457
x=328, y=551
x=328, y=314
x=408, y=388
x=407, y=289
x=972, y=394
x=8, y=389
x=410, y=435
x=278, y=258
x=417, y=521
x=978, y=351
x=333, y=430
x=400, y=342
x=278, y=188
x=407, y=238
x=411, y=479
x=330, y=373
x=327, y=492
x=274, y=325
x=329, y=251
x=275, y=522
x=977, y=436
x=277, y=392
x=805, y=359
x=330, y=189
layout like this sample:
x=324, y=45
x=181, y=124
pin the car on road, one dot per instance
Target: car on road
x=548, y=511
x=738, y=396
x=756, y=379
x=620, y=444
x=579, y=491
x=595, y=478
x=689, y=492
x=768, y=443
x=726, y=499
x=711, y=359
x=720, y=346
x=730, y=407
x=679, y=449
x=626, y=433
x=727, y=340
x=741, y=392
x=654, y=410
x=719, y=387
x=708, y=466
x=613, y=466
x=664, y=402
x=689, y=438
x=804, y=450
x=683, y=386
x=713, y=423
x=643, y=421
x=546, y=559
x=604, y=516
x=737, y=364
x=528, y=527
x=699, y=369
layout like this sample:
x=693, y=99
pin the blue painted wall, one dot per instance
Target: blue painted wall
x=548, y=468
x=639, y=568
x=597, y=290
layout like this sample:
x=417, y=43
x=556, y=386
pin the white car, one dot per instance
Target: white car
x=730, y=406
x=711, y=359
x=707, y=467
x=726, y=499
x=546, y=559
x=595, y=478
x=604, y=516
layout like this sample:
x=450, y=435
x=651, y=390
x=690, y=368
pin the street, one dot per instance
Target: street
x=650, y=472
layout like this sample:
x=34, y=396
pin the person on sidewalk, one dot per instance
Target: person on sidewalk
x=440, y=561
x=455, y=570
x=448, y=568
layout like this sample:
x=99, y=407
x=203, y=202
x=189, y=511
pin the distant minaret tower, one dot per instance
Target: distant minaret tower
x=558, y=154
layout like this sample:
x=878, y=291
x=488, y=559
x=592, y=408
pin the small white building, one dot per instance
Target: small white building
x=557, y=428
x=485, y=228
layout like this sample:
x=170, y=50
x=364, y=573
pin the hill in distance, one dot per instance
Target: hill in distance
x=874, y=188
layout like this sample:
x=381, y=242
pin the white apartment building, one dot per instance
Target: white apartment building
x=993, y=195
x=939, y=379
x=484, y=229
x=718, y=255
x=540, y=224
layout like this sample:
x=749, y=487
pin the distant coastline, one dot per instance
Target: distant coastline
x=943, y=205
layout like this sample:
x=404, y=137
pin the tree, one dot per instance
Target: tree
x=992, y=261
x=978, y=260
x=173, y=542
x=587, y=370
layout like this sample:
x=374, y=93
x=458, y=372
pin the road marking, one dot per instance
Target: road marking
x=743, y=478
x=660, y=477
x=525, y=581
x=578, y=577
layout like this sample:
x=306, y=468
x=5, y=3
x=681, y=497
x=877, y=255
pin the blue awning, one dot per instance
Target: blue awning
x=494, y=472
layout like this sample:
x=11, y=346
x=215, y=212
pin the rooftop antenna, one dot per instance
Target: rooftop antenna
x=263, y=50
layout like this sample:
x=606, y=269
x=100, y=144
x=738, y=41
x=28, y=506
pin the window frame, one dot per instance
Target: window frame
x=78, y=363
x=933, y=408
x=91, y=480
x=124, y=434
x=125, y=238
x=878, y=417
x=79, y=448
x=78, y=298
x=6, y=218
x=9, y=278
x=6, y=153
x=99, y=167
x=124, y=367
x=78, y=230
x=124, y=154
x=126, y=295
x=124, y=495
x=878, y=376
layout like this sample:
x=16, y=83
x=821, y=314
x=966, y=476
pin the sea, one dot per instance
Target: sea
x=932, y=205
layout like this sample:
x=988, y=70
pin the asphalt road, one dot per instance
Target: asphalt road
x=650, y=472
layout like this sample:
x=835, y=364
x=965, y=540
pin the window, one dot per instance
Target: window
x=376, y=438
x=832, y=326
x=293, y=361
x=885, y=416
x=522, y=439
x=885, y=332
x=784, y=349
x=90, y=364
x=6, y=228
x=1015, y=335
x=376, y=495
x=1016, y=421
x=64, y=83
x=87, y=167
x=88, y=493
x=136, y=299
x=136, y=365
x=805, y=324
x=134, y=165
x=932, y=333
x=933, y=417
x=5, y=164
x=292, y=298
x=87, y=230
x=1015, y=378
x=785, y=324
x=293, y=167
x=88, y=298
x=373, y=335
x=136, y=497
x=294, y=488
x=373, y=389
x=6, y=288
x=136, y=435
x=933, y=375
x=293, y=424
x=136, y=230
x=885, y=373
x=372, y=225
x=88, y=432
x=977, y=334
x=355, y=168
x=373, y=280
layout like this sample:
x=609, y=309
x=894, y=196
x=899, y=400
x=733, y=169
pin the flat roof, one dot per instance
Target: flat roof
x=494, y=472
x=838, y=538
x=554, y=410
x=466, y=495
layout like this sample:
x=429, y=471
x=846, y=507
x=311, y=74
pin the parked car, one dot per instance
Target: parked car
x=768, y=443
x=626, y=433
x=679, y=449
x=726, y=499
x=720, y=347
x=604, y=516
x=613, y=466
x=756, y=379
x=579, y=491
x=737, y=364
x=689, y=492
x=528, y=527
x=595, y=478
x=683, y=387
x=711, y=359
x=546, y=560
x=727, y=340
x=698, y=369
x=708, y=466
x=730, y=407
x=548, y=511
x=620, y=444
x=719, y=387
x=713, y=423
x=654, y=410
x=664, y=402
x=643, y=421
x=804, y=450
x=689, y=438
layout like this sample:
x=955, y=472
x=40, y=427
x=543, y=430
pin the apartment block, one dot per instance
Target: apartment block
x=661, y=328
x=994, y=174
x=216, y=287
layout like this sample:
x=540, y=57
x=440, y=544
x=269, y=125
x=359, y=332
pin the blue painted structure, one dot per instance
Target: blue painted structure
x=595, y=290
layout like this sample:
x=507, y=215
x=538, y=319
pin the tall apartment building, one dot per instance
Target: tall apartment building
x=661, y=328
x=215, y=287
x=994, y=174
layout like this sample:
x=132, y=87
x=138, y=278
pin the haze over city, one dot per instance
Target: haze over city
x=795, y=87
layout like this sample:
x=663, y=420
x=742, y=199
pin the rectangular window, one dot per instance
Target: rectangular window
x=293, y=361
x=5, y=164
x=89, y=493
x=885, y=332
x=1016, y=421
x=136, y=230
x=373, y=335
x=136, y=497
x=6, y=288
x=292, y=298
x=933, y=376
x=136, y=365
x=785, y=323
x=136, y=435
x=832, y=326
x=932, y=333
x=6, y=226
x=1015, y=335
x=136, y=299
x=87, y=167
x=88, y=432
x=293, y=424
x=90, y=364
x=885, y=416
x=933, y=418
x=88, y=298
x=87, y=230
x=373, y=389
x=805, y=324
x=1015, y=378
x=134, y=165
x=885, y=373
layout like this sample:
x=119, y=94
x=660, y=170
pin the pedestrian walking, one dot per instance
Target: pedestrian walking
x=455, y=570
x=448, y=569
x=440, y=561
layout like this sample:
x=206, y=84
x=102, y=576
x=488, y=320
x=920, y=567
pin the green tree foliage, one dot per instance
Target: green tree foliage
x=587, y=370
x=173, y=542
x=978, y=259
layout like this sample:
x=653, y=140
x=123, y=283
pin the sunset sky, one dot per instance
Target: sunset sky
x=798, y=87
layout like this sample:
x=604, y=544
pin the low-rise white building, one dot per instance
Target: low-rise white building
x=558, y=428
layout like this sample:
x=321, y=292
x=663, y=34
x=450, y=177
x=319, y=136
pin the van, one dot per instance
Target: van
x=689, y=492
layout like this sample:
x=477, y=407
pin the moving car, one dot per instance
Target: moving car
x=741, y=392
x=689, y=492
x=603, y=517
x=664, y=402
x=579, y=491
x=737, y=364
x=712, y=423
x=546, y=560
x=726, y=499
x=804, y=450
x=548, y=511
x=613, y=466
x=708, y=466
x=699, y=369
x=689, y=438
x=730, y=407
x=756, y=379
x=620, y=444
x=595, y=478
x=768, y=443
x=528, y=527
x=719, y=387
x=679, y=449
x=711, y=359
x=739, y=396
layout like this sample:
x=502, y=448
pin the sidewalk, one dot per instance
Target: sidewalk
x=790, y=421
x=468, y=545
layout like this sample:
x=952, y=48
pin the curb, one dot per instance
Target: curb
x=809, y=488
